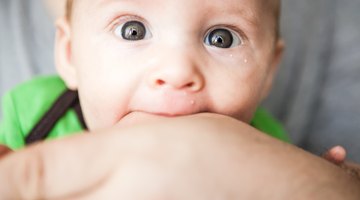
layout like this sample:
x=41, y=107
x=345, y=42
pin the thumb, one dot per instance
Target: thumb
x=53, y=170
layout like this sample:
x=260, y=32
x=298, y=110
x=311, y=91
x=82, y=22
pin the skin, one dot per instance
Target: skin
x=143, y=161
x=171, y=72
x=164, y=79
x=181, y=77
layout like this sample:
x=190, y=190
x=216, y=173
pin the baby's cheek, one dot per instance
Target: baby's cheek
x=239, y=104
x=97, y=111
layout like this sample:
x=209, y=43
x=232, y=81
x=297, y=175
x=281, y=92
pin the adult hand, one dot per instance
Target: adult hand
x=337, y=156
x=195, y=157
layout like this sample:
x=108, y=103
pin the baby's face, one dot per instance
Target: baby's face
x=168, y=58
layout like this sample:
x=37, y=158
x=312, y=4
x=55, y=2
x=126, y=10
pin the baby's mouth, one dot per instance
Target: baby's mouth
x=163, y=106
x=136, y=117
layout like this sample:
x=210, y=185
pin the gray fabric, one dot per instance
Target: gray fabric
x=26, y=42
x=317, y=92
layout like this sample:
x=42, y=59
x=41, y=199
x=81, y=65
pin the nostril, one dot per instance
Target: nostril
x=189, y=85
x=176, y=83
x=160, y=82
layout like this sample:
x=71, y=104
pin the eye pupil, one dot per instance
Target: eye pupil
x=221, y=38
x=218, y=40
x=134, y=33
x=133, y=30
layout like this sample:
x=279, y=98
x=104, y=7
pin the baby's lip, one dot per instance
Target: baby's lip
x=169, y=107
x=164, y=114
x=167, y=111
x=142, y=116
x=135, y=117
x=168, y=102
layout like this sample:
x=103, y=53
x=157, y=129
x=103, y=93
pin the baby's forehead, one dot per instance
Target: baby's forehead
x=217, y=4
x=251, y=8
x=259, y=14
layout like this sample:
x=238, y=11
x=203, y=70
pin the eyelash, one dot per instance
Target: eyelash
x=122, y=20
x=237, y=35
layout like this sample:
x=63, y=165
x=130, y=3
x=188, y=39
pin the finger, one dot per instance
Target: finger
x=335, y=155
x=351, y=168
x=4, y=150
x=58, y=169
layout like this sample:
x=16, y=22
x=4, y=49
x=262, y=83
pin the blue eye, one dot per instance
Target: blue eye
x=222, y=38
x=132, y=31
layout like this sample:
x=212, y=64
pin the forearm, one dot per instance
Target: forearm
x=195, y=157
x=353, y=169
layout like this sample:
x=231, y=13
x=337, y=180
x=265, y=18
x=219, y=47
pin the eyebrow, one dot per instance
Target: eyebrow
x=102, y=3
x=108, y=1
x=249, y=16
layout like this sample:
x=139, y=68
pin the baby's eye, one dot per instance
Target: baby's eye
x=222, y=38
x=131, y=30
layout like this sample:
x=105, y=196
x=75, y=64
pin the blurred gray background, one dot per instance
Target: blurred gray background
x=26, y=41
x=316, y=95
x=317, y=91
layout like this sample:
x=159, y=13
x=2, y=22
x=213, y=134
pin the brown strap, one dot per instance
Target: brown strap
x=79, y=114
x=69, y=99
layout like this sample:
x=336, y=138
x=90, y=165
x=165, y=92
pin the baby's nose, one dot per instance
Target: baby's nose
x=179, y=76
x=191, y=83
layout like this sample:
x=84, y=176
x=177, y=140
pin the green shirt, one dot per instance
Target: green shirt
x=26, y=104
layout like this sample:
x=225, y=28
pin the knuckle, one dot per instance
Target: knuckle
x=32, y=175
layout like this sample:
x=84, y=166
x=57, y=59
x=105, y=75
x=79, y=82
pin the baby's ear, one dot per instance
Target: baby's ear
x=63, y=60
x=274, y=65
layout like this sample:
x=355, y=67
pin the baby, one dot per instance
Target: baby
x=167, y=58
x=123, y=62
